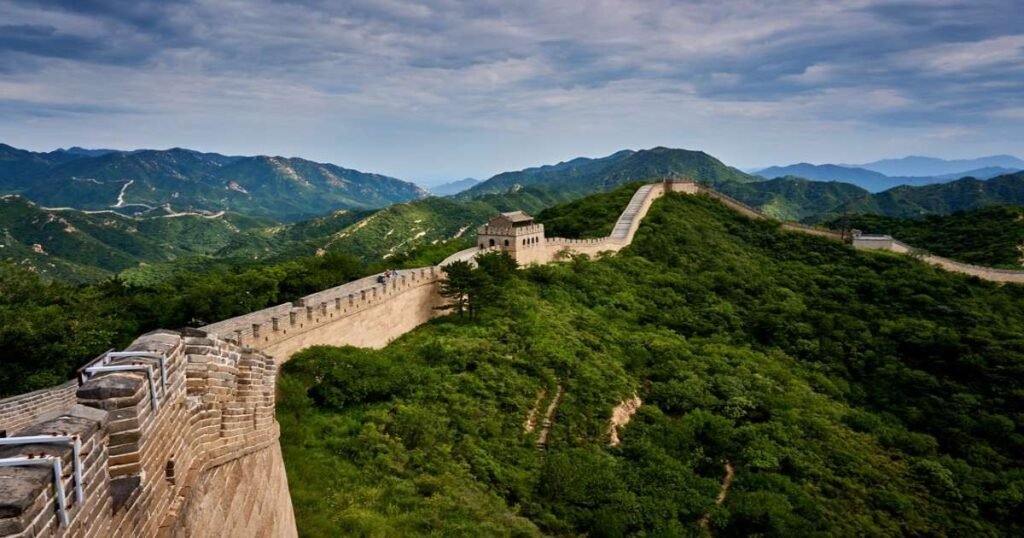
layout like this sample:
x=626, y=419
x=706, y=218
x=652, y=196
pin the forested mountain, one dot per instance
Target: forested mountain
x=842, y=393
x=991, y=236
x=285, y=189
x=944, y=198
x=78, y=246
x=792, y=198
x=583, y=176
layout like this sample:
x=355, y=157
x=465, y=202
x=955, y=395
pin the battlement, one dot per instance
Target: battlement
x=149, y=422
x=531, y=229
x=281, y=330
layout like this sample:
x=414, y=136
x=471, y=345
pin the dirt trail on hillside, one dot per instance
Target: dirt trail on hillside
x=542, y=439
x=730, y=473
x=621, y=416
x=531, y=417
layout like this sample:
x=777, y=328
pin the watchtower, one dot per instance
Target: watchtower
x=514, y=232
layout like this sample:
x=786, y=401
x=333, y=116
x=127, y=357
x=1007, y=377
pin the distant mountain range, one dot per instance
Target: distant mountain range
x=454, y=187
x=285, y=189
x=794, y=198
x=75, y=245
x=875, y=180
x=584, y=175
x=936, y=199
x=159, y=187
x=916, y=166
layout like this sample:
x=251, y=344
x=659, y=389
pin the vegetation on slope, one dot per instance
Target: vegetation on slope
x=583, y=176
x=941, y=199
x=853, y=394
x=287, y=189
x=49, y=327
x=78, y=246
x=792, y=198
x=991, y=236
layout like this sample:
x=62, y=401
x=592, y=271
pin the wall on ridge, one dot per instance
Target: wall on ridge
x=361, y=313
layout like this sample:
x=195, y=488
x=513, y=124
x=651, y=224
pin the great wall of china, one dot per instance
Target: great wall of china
x=176, y=436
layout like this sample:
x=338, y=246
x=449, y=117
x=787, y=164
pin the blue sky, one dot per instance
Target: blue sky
x=447, y=89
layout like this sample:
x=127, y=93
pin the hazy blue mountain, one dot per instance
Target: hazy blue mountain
x=937, y=199
x=863, y=178
x=584, y=175
x=454, y=187
x=931, y=166
x=137, y=181
x=981, y=173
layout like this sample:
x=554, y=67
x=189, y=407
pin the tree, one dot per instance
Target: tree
x=458, y=286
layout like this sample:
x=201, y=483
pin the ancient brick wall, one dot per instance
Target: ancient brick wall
x=19, y=411
x=149, y=437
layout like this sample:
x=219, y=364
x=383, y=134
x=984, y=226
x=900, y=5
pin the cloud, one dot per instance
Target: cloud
x=491, y=71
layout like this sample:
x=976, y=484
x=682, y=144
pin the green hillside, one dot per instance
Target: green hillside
x=78, y=246
x=852, y=394
x=583, y=176
x=941, y=199
x=992, y=236
x=284, y=189
x=401, y=228
x=792, y=198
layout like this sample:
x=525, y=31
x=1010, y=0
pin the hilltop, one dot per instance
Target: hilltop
x=583, y=175
x=286, y=189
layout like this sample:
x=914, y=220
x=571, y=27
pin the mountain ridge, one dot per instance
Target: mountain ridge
x=283, y=188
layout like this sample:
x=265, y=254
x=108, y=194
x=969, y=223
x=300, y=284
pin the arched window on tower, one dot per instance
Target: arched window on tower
x=506, y=243
x=492, y=242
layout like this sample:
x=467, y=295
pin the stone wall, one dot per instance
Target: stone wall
x=361, y=313
x=19, y=411
x=148, y=442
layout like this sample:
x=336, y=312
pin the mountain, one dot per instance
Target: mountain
x=863, y=178
x=287, y=189
x=792, y=198
x=394, y=230
x=79, y=246
x=454, y=187
x=584, y=175
x=980, y=173
x=931, y=166
x=992, y=236
x=940, y=198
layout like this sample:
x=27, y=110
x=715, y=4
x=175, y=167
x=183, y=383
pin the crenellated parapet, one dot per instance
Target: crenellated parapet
x=364, y=312
x=150, y=421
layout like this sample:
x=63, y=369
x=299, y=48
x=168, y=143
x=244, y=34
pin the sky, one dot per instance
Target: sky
x=442, y=90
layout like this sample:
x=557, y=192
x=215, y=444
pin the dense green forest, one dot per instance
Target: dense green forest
x=853, y=394
x=991, y=236
x=49, y=327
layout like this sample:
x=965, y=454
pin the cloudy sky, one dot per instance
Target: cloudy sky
x=447, y=89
